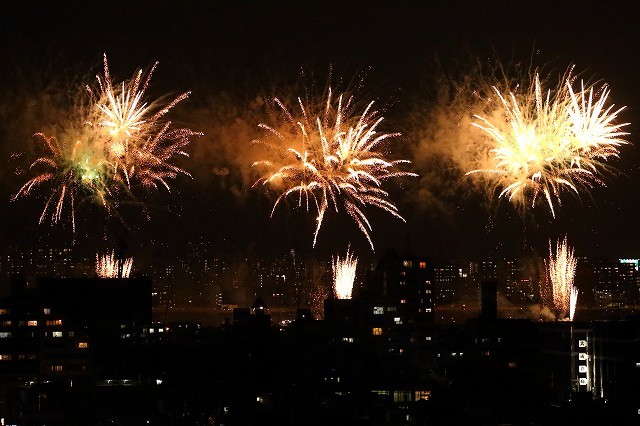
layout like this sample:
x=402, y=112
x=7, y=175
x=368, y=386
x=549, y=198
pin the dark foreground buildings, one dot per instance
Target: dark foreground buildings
x=85, y=352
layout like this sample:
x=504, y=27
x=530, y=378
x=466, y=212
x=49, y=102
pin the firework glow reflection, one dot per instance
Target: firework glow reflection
x=327, y=156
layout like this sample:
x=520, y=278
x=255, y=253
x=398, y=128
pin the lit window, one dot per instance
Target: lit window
x=378, y=310
x=4, y=311
x=380, y=392
x=6, y=323
x=427, y=338
x=427, y=309
x=377, y=331
x=47, y=311
x=403, y=301
x=397, y=320
x=54, y=322
x=422, y=394
x=427, y=282
x=72, y=333
x=427, y=291
x=407, y=264
x=513, y=364
x=56, y=368
x=57, y=334
x=5, y=334
x=5, y=357
x=423, y=265
x=32, y=323
x=347, y=339
x=403, y=282
x=83, y=345
x=402, y=396
x=391, y=309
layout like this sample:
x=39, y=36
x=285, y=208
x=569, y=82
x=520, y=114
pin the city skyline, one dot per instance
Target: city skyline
x=227, y=54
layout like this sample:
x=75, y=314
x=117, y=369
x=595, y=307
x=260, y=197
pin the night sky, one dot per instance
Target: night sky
x=230, y=52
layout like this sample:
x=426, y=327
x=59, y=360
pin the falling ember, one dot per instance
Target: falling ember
x=561, y=271
x=326, y=157
x=544, y=144
x=118, y=140
x=344, y=275
x=108, y=266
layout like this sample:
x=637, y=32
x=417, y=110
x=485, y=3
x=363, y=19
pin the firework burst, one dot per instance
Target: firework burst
x=344, y=275
x=136, y=141
x=543, y=144
x=117, y=140
x=327, y=157
x=561, y=271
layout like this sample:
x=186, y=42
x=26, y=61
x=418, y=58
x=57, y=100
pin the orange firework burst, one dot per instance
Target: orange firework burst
x=327, y=157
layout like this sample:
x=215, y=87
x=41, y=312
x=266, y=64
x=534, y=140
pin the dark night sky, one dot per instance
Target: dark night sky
x=239, y=47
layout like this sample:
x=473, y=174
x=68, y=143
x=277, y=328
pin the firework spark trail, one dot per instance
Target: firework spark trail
x=344, y=275
x=561, y=272
x=117, y=141
x=546, y=144
x=108, y=266
x=327, y=157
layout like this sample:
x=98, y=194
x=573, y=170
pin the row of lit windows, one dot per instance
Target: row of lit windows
x=409, y=264
x=31, y=323
x=379, y=310
x=20, y=357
